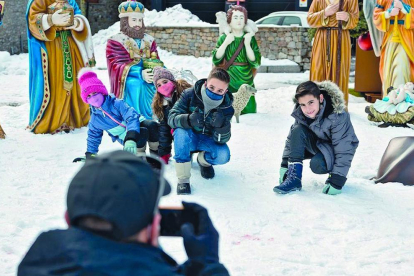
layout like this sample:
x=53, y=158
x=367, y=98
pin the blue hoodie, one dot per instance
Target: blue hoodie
x=100, y=122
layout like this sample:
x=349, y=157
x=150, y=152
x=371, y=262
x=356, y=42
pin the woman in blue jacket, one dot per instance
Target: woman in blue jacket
x=117, y=118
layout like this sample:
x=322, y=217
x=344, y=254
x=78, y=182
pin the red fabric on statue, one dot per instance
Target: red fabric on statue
x=117, y=59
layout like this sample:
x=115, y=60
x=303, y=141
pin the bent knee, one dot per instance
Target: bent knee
x=222, y=155
x=318, y=164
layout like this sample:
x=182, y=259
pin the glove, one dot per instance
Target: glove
x=79, y=159
x=202, y=247
x=329, y=190
x=217, y=119
x=196, y=119
x=334, y=184
x=88, y=155
x=130, y=146
x=282, y=174
x=166, y=158
x=224, y=129
x=148, y=75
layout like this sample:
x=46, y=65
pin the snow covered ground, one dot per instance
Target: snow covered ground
x=367, y=230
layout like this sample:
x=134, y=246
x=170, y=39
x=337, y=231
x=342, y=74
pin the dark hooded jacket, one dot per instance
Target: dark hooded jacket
x=336, y=137
x=191, y=100
x=77, y=252
x=164, y=130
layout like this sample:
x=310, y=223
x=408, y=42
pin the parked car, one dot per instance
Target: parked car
x=285, y=18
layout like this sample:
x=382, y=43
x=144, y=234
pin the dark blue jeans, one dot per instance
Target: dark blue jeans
x=303, y=146
x=187, y=141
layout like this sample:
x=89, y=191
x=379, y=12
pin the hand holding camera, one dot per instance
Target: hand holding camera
x=194, y=225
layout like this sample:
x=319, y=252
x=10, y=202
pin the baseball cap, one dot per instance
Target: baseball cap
x=120, y=188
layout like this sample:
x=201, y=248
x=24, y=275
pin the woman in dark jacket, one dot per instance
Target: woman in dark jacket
x=168, y=92
x=322, y=132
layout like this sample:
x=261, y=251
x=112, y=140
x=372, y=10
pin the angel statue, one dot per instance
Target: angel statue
x=237, y=50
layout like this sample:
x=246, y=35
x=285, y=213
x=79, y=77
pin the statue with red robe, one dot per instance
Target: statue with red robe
x=127, y=54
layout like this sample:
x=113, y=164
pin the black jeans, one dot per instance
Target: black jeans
x=152, y=126
x=303, y=146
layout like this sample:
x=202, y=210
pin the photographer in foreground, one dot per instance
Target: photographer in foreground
x=112, y=205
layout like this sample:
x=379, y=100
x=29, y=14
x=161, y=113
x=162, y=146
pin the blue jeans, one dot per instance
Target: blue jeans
x=187, y=141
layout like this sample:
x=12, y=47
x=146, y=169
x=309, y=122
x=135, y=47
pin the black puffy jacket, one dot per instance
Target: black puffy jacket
x=189, y=101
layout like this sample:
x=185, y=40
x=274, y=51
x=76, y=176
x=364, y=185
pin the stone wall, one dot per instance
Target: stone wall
x=13, y=34
x=103, y=14
x=275, y=42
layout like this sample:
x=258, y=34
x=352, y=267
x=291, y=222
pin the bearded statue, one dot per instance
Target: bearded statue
x=127, y=55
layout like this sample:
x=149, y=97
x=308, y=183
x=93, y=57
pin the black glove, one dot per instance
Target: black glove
x=88, y=155
x=224, y=129
x=202, y=247
x=196, y=119
x=337, y=181
x=217, y=119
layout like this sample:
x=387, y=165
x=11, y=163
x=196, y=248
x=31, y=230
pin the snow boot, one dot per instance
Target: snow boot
x=183, y=171
x=206, y=169
x=183, y=189
x=293, y=181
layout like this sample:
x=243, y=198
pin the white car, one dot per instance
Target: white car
x=285, y=18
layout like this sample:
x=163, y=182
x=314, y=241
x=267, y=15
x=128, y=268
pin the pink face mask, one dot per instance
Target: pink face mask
x=166, y=89
x=96, y=100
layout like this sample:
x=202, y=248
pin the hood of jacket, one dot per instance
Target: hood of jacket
x=334, y=101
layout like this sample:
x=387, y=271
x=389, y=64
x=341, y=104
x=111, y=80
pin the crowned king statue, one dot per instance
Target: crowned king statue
x=131, y=55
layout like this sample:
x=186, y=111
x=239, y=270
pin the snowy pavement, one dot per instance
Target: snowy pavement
x=367, y=230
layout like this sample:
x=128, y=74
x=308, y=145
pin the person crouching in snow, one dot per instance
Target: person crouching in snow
x=109, y=114
x=201, y=123
x=323, y=133
x=168, y=92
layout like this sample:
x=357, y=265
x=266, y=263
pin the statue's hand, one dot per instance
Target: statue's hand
x=229, y=39
x=344, y=16
x=148, y=75
x=398, y=4
x=247, y=39
x=394, y=12
x=331, y=9
x=76, y=26
x=60, y=19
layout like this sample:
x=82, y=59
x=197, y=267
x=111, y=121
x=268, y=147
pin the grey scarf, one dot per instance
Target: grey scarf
x=209, y=104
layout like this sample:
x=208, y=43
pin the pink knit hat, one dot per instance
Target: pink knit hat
x=162, y=73
x=89, y=83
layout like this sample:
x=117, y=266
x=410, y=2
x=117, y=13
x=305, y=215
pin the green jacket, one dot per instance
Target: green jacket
x=187, y=104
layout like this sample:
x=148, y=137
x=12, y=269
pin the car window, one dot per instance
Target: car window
x=271, y=20
x=291, y=20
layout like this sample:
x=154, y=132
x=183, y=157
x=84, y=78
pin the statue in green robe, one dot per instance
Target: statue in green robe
x=244, y=67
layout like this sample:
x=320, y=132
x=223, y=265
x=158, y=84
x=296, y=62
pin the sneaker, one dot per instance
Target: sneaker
x=183, y=189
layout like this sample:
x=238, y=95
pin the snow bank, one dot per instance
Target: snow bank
x=267, y=62
x=13, y=65
x=176, y=15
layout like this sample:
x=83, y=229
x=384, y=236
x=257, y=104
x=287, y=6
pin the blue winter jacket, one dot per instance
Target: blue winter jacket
x=77, y=252
x=100, y=122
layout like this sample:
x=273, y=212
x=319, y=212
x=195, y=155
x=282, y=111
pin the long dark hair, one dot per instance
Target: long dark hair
x=157, y=103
